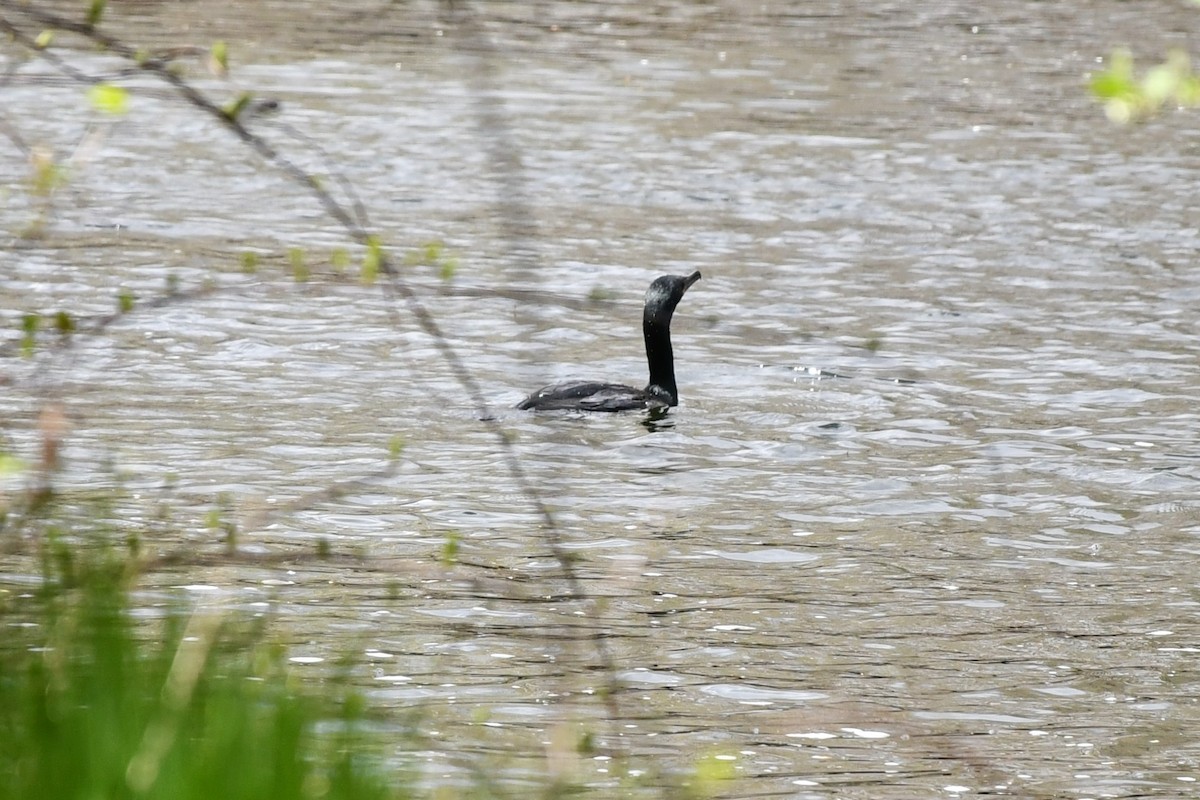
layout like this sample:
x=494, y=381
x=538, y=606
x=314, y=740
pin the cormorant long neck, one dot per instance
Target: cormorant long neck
x=656, y=327
x=664, y=294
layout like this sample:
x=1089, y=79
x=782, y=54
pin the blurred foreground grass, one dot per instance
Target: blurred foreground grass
x=104, y=697
x=90, y=708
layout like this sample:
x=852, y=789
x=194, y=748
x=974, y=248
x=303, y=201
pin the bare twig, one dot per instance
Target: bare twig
x=516, y=215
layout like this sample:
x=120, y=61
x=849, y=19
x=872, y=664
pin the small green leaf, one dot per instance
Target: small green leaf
x=449, y=266
x=125, y=301
x=372, y=260
x=64, y=323
x=48, y=174
x=29, y=327
x=95, y=12
x=11, y=465
x=109, y=98
x=249, y=262
x=395, y=447
x=44, y=39
x=299, y=268
x=450, y=548
x=1108, y=84
x=220, y=56
x=339, y=258
x=235, y=107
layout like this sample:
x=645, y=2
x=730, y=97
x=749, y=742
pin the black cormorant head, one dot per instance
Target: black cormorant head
x=664, y=294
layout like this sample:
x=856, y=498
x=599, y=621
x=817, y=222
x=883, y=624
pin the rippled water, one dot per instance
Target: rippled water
x=924, y=522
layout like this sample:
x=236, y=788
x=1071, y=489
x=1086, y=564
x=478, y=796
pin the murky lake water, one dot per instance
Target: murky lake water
x=926, y=521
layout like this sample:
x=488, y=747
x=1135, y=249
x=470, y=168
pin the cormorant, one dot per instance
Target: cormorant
x=661, y=298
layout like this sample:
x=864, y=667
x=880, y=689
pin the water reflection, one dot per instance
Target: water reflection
x=658, y=419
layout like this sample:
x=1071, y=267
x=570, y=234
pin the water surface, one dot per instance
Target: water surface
x=925, y=521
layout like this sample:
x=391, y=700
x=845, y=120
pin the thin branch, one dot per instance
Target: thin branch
x=516, y=215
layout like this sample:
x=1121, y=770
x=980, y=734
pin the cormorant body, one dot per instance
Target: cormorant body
x=661, y=298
